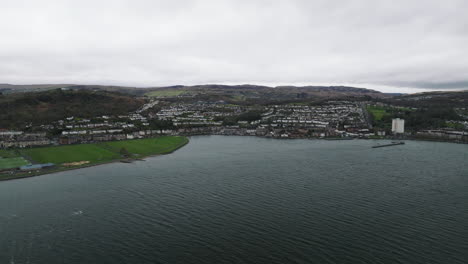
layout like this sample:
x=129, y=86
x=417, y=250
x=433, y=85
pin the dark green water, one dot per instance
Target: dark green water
x=247, y=200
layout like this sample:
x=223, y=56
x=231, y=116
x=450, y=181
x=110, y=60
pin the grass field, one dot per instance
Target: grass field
x=377, y=112
x=239, y=97
x=103, y=152
x=71, y=153
x=9, y=163
x=87, y=154
x=7, y=153
x=165, y=93
x=148, y=146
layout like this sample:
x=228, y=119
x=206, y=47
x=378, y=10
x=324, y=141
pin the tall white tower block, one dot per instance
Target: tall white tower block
x=398, y=125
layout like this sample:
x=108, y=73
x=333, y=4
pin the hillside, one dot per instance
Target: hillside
x=6, y=88
x=214, y=91
x=433, y=99
x=20, y=109
x=262, y=94
x=11, y=88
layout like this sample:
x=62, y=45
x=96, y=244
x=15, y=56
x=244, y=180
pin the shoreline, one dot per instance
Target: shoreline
x=131, y=160
x=336, y=138
x=52, y=171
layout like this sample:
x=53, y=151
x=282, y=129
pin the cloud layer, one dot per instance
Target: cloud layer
x=395, y=44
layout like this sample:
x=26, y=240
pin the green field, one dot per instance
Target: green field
x=62, y=154
x=10, y=163
x=148, y=146
x=165, y=93
x=93, y=153
x=239, y=97
x=103, y=152
x=7, y=153
x=377, y=112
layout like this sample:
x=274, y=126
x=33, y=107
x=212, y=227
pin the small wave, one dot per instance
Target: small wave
x=79, y=212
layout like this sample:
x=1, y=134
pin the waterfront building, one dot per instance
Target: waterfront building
x=398, y=126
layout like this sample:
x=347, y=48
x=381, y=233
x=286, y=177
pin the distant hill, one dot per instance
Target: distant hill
x=338, y=89
x=236, y=94
x=247, y=93
x=11, y=88
x=262, y=94
x=434, y=99
x=330, y=89
x=20, y=109
x=30, y=86
x=207, y=87
x=108, y=88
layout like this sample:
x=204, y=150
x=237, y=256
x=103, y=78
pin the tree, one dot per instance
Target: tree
x=124, y=152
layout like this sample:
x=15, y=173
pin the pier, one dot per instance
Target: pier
x=389, y=145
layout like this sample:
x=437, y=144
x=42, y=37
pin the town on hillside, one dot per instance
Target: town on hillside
x=334, y=119
x=70, y=127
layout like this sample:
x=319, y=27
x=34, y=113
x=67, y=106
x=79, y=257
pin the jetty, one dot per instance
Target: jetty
x=389, y=145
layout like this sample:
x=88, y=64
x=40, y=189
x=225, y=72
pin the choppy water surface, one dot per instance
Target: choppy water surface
x=248, y=200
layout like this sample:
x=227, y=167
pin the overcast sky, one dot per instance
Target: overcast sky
x=386, y=45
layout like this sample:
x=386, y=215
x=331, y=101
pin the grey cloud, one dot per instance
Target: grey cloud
x=437, y=85
x=398, y=44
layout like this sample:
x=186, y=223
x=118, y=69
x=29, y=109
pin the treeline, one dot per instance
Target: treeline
x=433, y=110
x=20, y=110
x=435, y=117
x=426, y=118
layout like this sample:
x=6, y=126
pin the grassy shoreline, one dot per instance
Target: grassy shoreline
x=184, y=142
x=145, y=149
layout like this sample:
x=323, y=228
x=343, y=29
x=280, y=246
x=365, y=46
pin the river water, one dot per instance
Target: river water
x=247, y=200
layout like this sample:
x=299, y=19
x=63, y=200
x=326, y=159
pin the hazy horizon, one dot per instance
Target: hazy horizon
x=379, y=88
